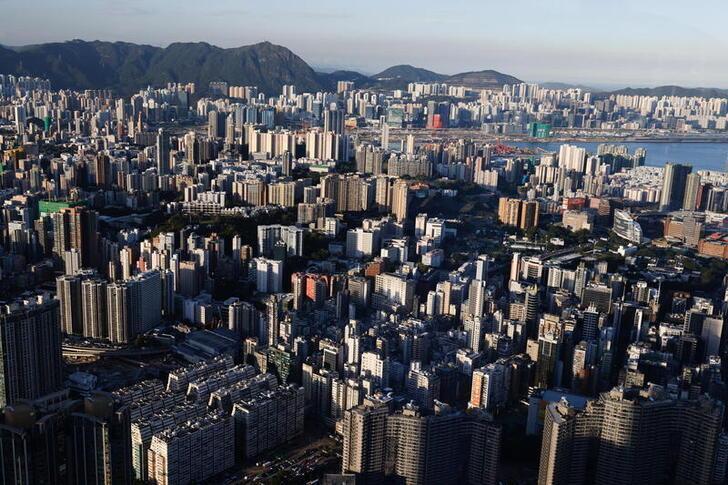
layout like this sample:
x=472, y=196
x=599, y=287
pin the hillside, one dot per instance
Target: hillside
x=409, y=73
x=487, y=79
x=127, y=67
x=330, y=78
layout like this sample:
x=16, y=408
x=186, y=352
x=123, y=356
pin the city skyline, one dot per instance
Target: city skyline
x=597, y=48
x=222, y=262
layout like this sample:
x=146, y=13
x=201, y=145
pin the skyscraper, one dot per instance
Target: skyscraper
x=68, y=292
x=633, y=436
x=30, y=343
x=410, y=145
x=163, y=149
x=268, y=275
x=415, y=446
x=364, y=432
x=548, y=365
x=532, y=302
x=103, y=170
x=692, y=189
x=490, y=386
x=93, y=298
x=565, y=445
x=482, y=266
x=591, y=323
x=424, y=449
x=76, y=228
x=242, y=318
x=334, y=120
x=529, y=215
x=134, y=306
x=400, y=199
x=520, y=213
x=100, y=446
x=213, y=124
x=290, y=236
x=33, y=443
x=474, y=327
x=423, y=386
x=117, y=303
x=572, y=157
x=673, y=186
x=626, y=227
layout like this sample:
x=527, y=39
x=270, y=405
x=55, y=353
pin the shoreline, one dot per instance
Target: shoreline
x=621, y=140
x=454, y=133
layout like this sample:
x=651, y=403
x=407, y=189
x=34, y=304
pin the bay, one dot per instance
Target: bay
x=701, y=155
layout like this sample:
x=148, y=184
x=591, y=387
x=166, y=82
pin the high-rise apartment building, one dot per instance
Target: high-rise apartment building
x=673, y=186
x=692, y=190
x=268, y=420
x=420, y=447
x=395, y=289
x=490, y=386
x=133, y=306
x=94, y=309
x=76, y=228
x=100, y=444
x=163, y=151
x=362, y=242
x=364, y=434
x=572, y=157
x=631, y=436
x=400, y=196
x=68, y=292
x=424, y=449
x=30, y=343
x=519, y=213
x=423, y=385
x=529, y=215
x=268, y=275
x=193, y=451
x=282, y=193
x=290, y=236
x=334, y=120
x=33, y=445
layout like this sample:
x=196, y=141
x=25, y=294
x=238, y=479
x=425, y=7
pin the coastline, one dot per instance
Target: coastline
x=576, y=136
x=630, y=139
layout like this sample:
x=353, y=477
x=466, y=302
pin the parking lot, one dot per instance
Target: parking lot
x=305, y=460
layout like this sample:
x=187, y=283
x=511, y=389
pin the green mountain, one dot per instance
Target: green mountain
x=127, y=67
x=397, y=77
x=331, y=78
x=487, y=79
x=409, y=73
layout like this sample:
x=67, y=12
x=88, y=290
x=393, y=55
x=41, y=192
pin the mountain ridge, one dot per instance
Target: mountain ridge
x=409, y=73
x=128, y=67
x=485, y=79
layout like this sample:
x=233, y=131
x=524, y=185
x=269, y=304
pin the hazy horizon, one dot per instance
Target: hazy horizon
x=617, y=44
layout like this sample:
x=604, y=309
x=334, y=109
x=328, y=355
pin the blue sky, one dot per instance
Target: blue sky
x=601, y=43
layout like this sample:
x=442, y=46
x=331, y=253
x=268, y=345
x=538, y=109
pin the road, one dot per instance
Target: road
x=88, y=351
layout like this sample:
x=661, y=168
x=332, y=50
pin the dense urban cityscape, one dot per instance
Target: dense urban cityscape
x=384, y=280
